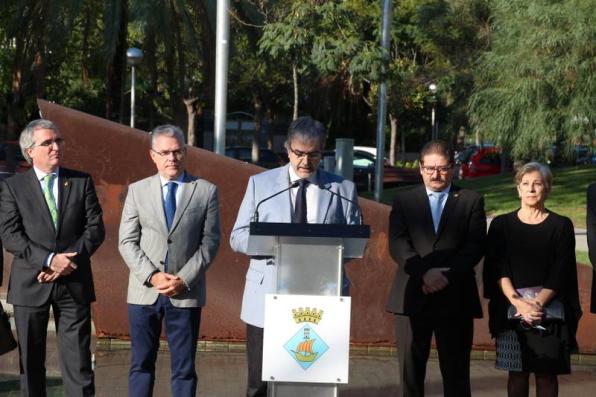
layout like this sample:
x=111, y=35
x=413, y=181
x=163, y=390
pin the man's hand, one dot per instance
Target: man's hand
x=167, y=284
x=47, y=276
x=62, y=263
x=434, y=280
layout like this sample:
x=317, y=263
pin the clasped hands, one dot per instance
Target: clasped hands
x=529, y=310
x=167, y=284
x=60, y=265
x=434, y=280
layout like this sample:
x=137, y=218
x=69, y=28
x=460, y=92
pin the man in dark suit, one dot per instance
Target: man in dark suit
x=169, y=235
x=437, y=236
x=591, y=224
x=51, y=221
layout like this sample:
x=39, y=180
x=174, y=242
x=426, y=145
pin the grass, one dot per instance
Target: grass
x=568, y=194
x=582, y=257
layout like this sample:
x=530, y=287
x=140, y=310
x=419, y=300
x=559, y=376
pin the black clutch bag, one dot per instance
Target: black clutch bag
x=7, y=342
x=553, y=312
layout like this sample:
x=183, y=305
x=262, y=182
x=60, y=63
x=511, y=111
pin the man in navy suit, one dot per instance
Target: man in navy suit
x=309, y=202
x=436, y=236
x=51, y=221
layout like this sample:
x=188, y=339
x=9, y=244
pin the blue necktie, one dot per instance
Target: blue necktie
x=171, y=203
x=436, y=201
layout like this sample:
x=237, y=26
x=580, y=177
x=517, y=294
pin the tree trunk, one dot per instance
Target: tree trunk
x=403, y=147
x=85, y=46
x=269, y=116
x=256, y=135
x=191, y=111
x=393, y=138
x=151, y=62
x=295, y=80
x=116, y=69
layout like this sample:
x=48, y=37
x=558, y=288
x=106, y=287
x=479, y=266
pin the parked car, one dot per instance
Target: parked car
x=364, y=171
x=267, y=158
x=11, y=159
x=479, y=161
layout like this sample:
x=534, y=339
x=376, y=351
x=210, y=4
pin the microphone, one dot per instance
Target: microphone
x=256, y=214
x=328, y=188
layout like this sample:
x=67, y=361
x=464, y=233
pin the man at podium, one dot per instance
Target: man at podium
x=298, y=192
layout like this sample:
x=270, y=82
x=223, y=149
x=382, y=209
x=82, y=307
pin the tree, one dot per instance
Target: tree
x=535, y=86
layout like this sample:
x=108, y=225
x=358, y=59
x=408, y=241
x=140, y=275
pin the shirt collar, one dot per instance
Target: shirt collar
x=40, y=174
x=178, y=180
x=444, y=191
x=294, y=176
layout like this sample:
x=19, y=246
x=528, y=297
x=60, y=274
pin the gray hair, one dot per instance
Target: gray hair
x=547, y=176
x=26, y=141
x=306, y=129
x=167, y=130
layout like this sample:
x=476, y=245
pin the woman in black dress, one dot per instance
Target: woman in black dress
x=530, y=261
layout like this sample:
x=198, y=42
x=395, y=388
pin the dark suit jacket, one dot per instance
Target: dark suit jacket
x=591, y=224
x=458, y=244
x=29, y=234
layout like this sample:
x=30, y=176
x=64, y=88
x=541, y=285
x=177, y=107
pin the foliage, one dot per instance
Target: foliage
x=568, y=195
x=535, y=87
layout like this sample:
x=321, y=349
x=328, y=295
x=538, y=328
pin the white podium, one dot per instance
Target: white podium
x=307, y=321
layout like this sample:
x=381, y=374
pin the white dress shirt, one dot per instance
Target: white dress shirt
x=312, y=195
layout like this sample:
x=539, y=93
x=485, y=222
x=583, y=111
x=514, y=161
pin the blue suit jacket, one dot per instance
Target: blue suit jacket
x=262, y=273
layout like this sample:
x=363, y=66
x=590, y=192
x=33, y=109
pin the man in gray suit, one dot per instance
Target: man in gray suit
x=169, y=235
x=310, y=201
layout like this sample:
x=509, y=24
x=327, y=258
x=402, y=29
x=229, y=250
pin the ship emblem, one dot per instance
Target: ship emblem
x=306, y=347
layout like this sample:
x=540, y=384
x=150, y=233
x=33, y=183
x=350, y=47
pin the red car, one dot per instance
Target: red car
x=480, y=162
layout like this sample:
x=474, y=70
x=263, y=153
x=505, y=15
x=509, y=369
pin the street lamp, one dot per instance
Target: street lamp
x=134, y=56
x=432, y=87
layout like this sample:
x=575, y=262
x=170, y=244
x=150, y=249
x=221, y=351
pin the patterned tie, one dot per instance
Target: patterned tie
x=436, y=201
x=171, y=203
x=300, y=206
x=48, y=194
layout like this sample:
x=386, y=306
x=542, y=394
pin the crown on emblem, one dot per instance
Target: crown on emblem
x=307, y=315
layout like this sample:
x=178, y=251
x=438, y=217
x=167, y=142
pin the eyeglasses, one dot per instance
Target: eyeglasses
x=431, y=170
x=50, y=142
x=178, y=153
x=300, y=154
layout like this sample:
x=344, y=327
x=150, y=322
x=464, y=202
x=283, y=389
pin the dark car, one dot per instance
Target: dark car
x=479, y=162
x=267, y=158
x=364, y=171
x=11, y=159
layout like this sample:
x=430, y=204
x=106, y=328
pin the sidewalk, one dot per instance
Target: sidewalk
x=223, y=374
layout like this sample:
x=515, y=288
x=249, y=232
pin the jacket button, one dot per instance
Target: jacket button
x=169, y=241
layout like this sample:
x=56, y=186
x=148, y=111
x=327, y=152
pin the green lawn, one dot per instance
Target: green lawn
x=568, y=195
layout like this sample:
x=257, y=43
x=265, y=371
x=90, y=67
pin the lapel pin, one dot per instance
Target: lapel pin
x=65, y=183
x=455, y=194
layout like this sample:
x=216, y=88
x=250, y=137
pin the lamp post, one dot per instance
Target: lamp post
x=134, y=56
x=432, y=87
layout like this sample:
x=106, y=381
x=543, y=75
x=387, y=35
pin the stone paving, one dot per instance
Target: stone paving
x=223, y=374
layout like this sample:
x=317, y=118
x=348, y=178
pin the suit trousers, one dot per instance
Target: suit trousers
x=73, y=330
x=453, y=337
x=254, y=354
x=182, y=331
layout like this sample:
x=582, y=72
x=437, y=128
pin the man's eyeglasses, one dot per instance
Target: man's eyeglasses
x=428, y=170
x=300, y=154
x=178, y=153
x=49, y=142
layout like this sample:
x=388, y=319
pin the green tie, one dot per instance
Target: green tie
x=49, y=196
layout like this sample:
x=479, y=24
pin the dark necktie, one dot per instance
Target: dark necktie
x=300, y=208
x=171, y=203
